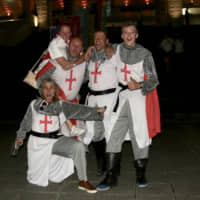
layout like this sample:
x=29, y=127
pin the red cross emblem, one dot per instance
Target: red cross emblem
x=70, y=79
x=125, y=72
x=45, y=122
x=95, y=73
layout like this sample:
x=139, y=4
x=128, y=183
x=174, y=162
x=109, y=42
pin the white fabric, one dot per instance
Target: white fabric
x=179, y=46
x=60, y=76
x=42, y=165
x=136, y=100
x=44, y=123
x=167, y=45
x=107, y=100
x=106, y=80
x=57, y=48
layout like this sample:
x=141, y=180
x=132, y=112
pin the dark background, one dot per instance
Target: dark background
x=178, y=90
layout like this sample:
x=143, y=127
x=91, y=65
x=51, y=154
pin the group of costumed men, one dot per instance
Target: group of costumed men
x=122, y=103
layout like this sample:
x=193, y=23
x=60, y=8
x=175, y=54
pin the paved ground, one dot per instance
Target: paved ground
x=173, y=170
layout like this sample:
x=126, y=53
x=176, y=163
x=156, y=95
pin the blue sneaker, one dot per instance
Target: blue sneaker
x=102, y=187
x=142, y=185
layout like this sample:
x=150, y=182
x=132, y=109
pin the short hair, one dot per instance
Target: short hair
x=56, y=97
x=79, y=38
x=64, y=25
x=101, y=30
x=129, y=23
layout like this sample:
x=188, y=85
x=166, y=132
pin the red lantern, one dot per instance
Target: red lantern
x=147, y=2
x=61, y=4
x=126, y=2
x=84, y=4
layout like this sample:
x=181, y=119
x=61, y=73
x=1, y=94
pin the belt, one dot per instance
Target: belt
x=123, y=87
x=52, y=135
x=102, y=92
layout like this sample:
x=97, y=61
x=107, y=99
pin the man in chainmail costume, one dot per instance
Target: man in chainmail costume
x=52, y=156
x=102, y=85
x=137, y=107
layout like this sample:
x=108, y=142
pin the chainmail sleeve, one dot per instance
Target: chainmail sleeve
x=26, y=124
x=152, y=78
x=80, y=112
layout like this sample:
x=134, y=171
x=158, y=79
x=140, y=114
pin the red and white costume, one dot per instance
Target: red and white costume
x=57, y=48
x=40, y=152
x=139, y=103
x=69, y=81
x=102, y=77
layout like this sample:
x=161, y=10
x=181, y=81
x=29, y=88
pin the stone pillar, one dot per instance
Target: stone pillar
x=42, y=10
x=175, y=12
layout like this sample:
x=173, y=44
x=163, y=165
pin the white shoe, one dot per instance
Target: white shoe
x=77, y=131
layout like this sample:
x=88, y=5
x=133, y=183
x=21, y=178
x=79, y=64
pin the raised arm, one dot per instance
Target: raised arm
x=81, y=112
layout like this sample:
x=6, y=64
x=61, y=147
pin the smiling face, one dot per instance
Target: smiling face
x=100, y=40
x=75, y=47
x=65, y=32
x=129, y=35
x=48, y=91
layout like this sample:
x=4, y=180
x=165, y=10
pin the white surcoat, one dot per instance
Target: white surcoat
x=42, y=165
x=136, y=100
x=102, y=77
x=69, y=81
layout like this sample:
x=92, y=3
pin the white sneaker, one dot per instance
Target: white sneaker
x=77, y=131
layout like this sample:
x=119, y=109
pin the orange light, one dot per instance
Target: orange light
x=61, y=3
x=126, y=2
x=147, y=2
x=84, y=4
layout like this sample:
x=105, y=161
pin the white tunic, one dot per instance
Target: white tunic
x=101, y=77
x=136, y=100
x=69, y=81
x=56, y=49
x=42, y=165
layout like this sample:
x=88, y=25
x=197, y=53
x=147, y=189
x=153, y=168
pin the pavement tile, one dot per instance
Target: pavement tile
x=108, y=196
x=8, y=195
x=155, y=189
x=77, y=196
x=12, y=187
x=187, y=197
x=51, y=188
x=186, y=188
x=39, y=196
x=155, y=197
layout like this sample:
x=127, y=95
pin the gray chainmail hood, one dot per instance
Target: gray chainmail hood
x=98, y=55
x=131, y=55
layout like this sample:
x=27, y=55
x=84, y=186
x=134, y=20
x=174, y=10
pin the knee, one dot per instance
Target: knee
x=79, y=147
